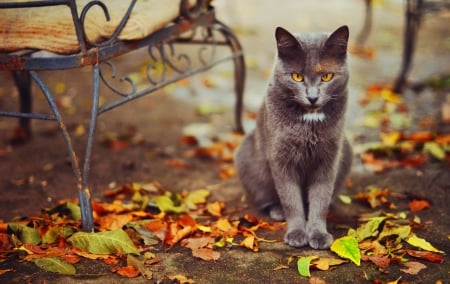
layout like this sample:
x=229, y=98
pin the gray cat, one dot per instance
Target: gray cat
x=297, y=156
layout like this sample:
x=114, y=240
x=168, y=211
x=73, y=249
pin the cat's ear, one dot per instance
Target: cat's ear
x=336, y=44
x=287, y=44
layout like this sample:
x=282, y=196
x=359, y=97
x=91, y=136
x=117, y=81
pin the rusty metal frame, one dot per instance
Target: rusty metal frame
x=198, y=21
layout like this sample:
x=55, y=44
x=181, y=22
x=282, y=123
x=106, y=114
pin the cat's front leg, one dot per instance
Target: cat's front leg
x=319, y=196
x=291, y=201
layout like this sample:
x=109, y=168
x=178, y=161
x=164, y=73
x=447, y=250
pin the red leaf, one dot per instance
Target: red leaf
x=426, y=255
x=418, y=205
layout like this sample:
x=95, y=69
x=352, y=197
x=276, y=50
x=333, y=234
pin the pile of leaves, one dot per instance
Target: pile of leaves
x=139, y=217
x=397, y=145
x=142, y=218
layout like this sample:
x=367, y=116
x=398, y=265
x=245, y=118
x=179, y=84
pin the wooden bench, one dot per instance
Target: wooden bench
x=63, y=34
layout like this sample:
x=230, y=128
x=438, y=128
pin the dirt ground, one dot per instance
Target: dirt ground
x=37, y=174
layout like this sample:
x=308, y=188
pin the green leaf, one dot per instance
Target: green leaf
x=422, y=243
x=54, y=264
x=74, y=210
x=347, y=247
x=345, y=199
x=25, y=234
x=109, y=242
x=434, y=149
x=303, y=265
x=55, y=233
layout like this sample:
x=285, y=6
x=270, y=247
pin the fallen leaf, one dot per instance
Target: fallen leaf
x=215, y=208
x=413, y=267
x=418, y=205
x=347, y=247
x=324, y=263
x=345, y=199
x=303, y=264
x=109, y=242
x=54, y=264
x=126, y=271
x=140, y=265
x=422, y=243
x=426, y=255
x=434, y=149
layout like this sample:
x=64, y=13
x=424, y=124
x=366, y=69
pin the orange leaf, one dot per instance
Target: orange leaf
x=70, y=258
x=111, y=260
x=418, y=205
x=158, y=227
x=126, y=271
x=421, y=136
x=215, y=208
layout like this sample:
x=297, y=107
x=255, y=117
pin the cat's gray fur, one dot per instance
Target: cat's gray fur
x=297, y=156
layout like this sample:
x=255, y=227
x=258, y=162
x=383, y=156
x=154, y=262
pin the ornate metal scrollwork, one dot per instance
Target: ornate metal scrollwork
x=168, y=63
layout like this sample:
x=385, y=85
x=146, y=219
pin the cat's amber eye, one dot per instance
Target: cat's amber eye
x=297, y=77
x=327, y=77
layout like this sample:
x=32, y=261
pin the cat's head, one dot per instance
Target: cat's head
x=311, y=69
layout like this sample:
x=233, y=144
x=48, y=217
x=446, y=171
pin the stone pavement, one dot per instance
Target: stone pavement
x=32, y=178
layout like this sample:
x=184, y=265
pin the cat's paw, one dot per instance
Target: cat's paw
x=320, y=240
x=296, y=238
x=276, y=213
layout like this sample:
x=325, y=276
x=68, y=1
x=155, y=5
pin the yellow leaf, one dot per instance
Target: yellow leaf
x=422, y=243
x=204, y=229
x=215, y=208
x=250, y=243
x=345, y=199
x=325, y=262
x=196, y=197
x=389, y=96
x=390, y=139
x=347, y=247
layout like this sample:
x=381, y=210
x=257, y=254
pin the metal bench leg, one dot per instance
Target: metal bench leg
x=85, y=205
x=23, y=83
x=239, y=71
x=84, y=194
x=365, y=31
x=412, y=23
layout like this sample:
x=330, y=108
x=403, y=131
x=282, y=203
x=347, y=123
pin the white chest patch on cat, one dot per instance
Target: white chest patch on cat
x=314, y=116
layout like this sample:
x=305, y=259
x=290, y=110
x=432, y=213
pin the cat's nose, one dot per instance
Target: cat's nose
x=313, y=100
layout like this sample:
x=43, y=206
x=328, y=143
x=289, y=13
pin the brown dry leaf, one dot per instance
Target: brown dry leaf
x=375, y=196
x=3, y=271
x=413, y=267
x=418, y=205
x=316, y=280
x=126, y=271
x=426, y=255
x=206, y=254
